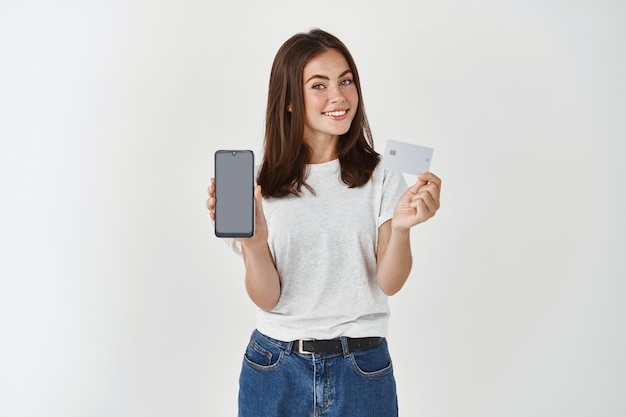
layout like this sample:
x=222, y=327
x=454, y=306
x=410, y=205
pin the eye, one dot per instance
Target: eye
x=346, y=82
x=318, y=86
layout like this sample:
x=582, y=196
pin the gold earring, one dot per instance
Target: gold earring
x=289, y=109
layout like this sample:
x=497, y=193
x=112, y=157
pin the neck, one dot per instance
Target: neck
x=322, y=150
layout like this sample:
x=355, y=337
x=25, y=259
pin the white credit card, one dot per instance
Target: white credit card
x=407, y=157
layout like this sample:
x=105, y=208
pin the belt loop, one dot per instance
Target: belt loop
x=344, y=346
x=289, y=347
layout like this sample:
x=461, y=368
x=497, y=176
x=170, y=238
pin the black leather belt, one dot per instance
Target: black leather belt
x=308, y=346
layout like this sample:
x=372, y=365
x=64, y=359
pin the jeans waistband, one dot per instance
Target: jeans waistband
x=343, y=345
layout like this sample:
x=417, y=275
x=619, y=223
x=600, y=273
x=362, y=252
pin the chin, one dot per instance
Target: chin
x=340, y=131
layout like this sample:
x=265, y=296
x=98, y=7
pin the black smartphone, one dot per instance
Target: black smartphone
x=234, y=193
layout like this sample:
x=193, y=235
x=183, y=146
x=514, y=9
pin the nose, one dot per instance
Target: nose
x=336, y=96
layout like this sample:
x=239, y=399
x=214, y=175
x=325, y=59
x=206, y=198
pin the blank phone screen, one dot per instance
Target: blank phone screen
x=234, y=193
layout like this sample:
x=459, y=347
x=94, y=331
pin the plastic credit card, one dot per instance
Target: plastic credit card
x=407, y=157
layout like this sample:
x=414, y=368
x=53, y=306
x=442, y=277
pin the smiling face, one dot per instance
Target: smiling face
x=330, y=97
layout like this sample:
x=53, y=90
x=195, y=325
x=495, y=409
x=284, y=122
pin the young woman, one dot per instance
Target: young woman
x=331, y=243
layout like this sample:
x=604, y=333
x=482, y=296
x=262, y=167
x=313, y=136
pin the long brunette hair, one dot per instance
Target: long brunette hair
x=283, y=169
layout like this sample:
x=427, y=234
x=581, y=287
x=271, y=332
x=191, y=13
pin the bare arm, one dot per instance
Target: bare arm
x=418, y=204
x=262, y=281
x=394, y=258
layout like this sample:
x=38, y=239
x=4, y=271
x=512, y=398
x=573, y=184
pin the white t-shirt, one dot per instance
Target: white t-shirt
x=324, y=246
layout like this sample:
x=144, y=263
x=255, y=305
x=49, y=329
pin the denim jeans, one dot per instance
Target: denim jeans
x=277, y=381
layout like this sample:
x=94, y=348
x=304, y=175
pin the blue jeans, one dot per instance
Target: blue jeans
x=277, y=381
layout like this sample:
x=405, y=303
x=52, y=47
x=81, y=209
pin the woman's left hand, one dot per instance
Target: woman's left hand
x=419, y=203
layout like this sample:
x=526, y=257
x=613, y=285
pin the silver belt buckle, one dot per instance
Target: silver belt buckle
x=301, y=349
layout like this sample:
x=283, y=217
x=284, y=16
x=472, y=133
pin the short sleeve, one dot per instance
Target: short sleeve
x=394, y=185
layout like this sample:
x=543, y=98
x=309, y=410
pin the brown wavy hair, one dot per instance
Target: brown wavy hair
x=283, y=169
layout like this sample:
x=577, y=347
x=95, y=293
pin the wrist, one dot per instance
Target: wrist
x=252, y=245
x=399, y=229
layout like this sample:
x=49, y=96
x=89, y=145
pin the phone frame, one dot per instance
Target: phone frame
x=226, y=233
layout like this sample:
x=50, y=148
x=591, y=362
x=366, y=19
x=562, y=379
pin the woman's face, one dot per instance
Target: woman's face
x=330, y=96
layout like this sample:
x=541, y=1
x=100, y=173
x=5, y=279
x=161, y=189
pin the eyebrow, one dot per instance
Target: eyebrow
x=348, y=71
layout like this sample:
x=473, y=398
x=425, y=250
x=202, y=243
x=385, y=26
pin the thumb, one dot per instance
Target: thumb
x=258, y=199
x=413, y=189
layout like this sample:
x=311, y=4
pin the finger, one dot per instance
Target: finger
x=210, y=204
x=430, y=189
x=424, y=197
x=429, y=204
x=431, y=196
x=422, y=211
x=429, y=177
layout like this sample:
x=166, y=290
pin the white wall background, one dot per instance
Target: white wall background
x=116, y=299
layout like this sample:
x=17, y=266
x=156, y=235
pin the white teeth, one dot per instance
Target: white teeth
x=336, y=113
